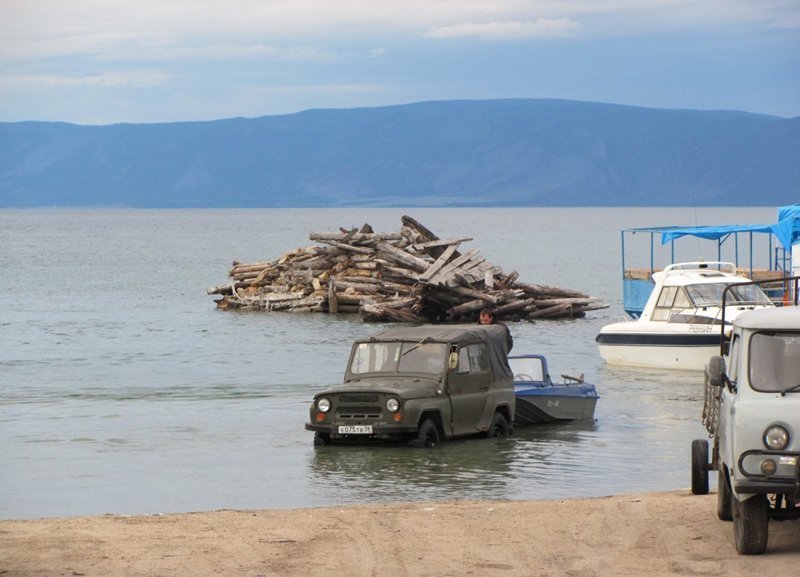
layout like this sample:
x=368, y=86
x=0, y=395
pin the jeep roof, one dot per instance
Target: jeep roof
x=493, y=335
x=779, y=318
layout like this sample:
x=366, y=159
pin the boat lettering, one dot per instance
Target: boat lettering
x=699, y=328
x=551, y=403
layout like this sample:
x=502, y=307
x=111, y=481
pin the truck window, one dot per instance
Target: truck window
x=733, y=364
x=375, y=358
x=774, y=361
x=473, y=359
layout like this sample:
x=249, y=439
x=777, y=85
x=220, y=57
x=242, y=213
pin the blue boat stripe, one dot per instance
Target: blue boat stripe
x=641, y=339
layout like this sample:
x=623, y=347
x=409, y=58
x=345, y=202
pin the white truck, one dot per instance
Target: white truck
x=752, y=414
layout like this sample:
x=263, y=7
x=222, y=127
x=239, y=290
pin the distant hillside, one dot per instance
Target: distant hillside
x=459, y=153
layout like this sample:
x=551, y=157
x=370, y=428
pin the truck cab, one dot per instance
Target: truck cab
x=752, y=412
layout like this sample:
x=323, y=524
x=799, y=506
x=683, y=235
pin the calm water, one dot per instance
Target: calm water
x=123, y=389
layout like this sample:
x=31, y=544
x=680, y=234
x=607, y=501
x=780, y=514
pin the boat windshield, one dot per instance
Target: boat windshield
x=775, y=362
x=527, y=368
x=399, y=357
x=710, y=295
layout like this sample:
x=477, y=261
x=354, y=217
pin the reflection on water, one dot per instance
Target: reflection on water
x=537, y=461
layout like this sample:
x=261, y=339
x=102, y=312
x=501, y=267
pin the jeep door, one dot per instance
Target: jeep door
x=468, y=389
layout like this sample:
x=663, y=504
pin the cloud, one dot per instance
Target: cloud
x=541, y=28
x=128, y=79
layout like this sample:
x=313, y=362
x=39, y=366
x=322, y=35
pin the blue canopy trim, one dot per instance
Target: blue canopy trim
x=786, y=230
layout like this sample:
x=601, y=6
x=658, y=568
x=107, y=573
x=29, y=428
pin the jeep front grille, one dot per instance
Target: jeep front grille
x=358, y=412
x=359, y=398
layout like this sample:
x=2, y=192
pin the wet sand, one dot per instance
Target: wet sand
x=653, y=534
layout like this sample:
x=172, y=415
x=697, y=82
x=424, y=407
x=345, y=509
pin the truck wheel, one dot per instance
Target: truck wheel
x=751, y=525
x=321, y=439
x=499, y=427
x=427, y=435
x=724, y=496
x=700, y=467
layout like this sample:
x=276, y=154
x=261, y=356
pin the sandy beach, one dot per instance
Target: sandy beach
x=672, y=533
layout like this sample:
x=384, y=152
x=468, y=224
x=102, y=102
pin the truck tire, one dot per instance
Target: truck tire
x=724, y=496
x=700, y=467
x=321, y=439
x=751, y=525
x=499, y=428
x=427, y=435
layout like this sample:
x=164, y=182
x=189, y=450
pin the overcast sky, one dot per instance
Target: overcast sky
x=107, y=61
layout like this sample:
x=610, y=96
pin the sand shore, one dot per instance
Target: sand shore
x=653, y=534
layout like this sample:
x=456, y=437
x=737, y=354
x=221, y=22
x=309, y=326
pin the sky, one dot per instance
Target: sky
x=110, y=61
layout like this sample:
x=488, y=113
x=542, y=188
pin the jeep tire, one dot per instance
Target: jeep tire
x=724, y=496
x=751, y=525
x=700, y=467
x=321, y=439
x=499, y=428
x=427, y=435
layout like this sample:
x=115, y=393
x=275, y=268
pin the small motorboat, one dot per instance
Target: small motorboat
x=681, y=323
x=539, y=400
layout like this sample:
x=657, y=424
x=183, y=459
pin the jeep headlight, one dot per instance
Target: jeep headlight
x=323, y=405
x=392, y=405
x=776, y=438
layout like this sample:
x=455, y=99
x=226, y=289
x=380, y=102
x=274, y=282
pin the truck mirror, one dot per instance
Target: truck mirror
x=715, y=370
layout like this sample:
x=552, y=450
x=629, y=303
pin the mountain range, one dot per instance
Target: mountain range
x=516, y=152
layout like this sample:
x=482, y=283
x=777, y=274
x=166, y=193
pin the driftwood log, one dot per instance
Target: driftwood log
x=410, y=276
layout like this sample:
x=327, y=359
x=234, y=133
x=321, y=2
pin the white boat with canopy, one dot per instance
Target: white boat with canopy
x=677, y=310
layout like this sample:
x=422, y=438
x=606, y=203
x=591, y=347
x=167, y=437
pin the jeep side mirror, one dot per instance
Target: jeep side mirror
x=715, y=370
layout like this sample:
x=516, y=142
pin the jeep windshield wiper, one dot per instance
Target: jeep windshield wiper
x=422, y=342
x=792, y=389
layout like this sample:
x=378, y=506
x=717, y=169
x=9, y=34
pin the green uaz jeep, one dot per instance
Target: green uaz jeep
x=420, y=385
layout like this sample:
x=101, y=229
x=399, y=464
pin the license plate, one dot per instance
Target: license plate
x=355, y=430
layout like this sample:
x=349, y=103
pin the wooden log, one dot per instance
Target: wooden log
x=348, y=247
x=509, y=278
x=333, y=304
x=467, y=307
x=444, y=242
x=573, y=301
x=514, y=306
x=547, y=291
x=237, y=267
x=488, y=299
x=439, y=263
x=399, y=273
x=366, y=288
x=402, y=257
x=554, y=311
x=354, y=237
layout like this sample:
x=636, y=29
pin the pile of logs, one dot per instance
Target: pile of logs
x=408, y=276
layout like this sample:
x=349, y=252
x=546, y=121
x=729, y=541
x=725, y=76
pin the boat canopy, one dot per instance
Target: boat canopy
x=786, y=230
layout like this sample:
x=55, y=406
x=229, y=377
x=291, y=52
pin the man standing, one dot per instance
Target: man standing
x=487, y=317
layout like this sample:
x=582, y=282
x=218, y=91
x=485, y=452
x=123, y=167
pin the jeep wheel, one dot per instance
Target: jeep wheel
x=427, y=435
x=321, y=439
x=700, y=467
x=724, y=496
x=751, y=525
x=498, y=428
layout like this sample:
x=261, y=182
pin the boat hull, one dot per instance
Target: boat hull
x=685, y=351
x=548, y=405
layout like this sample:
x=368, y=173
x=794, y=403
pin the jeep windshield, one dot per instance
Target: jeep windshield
x=775, y=362
x=710, y=295
x=399, y=357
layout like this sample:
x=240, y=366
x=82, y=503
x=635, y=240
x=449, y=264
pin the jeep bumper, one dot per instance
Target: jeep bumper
x=379, y=431
x=784, y=480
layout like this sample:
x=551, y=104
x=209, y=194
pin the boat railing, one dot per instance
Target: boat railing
x=789, y=286
x=721, y=266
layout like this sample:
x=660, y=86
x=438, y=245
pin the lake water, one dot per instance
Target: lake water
x=124, y=390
